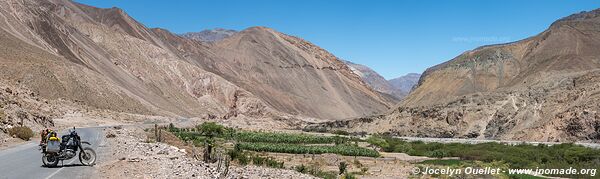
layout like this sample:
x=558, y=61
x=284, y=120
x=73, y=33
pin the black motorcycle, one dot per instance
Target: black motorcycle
x=55, y=151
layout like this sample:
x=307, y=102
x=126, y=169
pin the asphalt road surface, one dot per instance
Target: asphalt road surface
x=25, y=161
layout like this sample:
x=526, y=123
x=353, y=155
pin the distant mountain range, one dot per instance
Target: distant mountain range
x=397, y=87
x=210, y=35
x=405, y=83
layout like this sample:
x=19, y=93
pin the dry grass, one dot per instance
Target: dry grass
x=171, y=139
x=21, y=132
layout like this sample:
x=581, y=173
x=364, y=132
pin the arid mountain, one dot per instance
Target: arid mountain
x=405, y=84
x=211, y=35
x=105, y=59
x=374, y=80
x=293, y=75
x=397, y=87
x=543, y=88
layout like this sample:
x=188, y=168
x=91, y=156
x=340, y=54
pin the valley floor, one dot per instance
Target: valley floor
x=133, y=157
x=127, y=150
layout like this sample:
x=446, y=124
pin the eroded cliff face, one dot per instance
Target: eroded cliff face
x=543, y=88
x=105, y=59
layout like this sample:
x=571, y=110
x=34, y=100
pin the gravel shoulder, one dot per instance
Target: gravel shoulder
x=133, y=157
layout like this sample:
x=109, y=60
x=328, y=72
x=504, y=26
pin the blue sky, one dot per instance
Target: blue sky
x=393, y=37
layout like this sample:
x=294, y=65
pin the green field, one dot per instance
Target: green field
x=280, y=142
x=287, y=138
x=342, y=149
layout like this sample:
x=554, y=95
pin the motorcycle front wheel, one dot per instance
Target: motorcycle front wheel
x=87, y=156
x=50, y=160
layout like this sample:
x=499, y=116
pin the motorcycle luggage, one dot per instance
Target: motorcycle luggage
x=53, y=146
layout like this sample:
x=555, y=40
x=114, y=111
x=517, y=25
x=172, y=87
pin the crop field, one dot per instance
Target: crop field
x=281, y=142
x=288, y=138
x=342, y=149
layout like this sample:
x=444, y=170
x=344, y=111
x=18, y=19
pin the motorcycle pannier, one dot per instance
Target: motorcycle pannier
x=53, y=146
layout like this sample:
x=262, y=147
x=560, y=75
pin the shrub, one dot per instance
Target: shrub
x=349, y=176
x=172, y=128
x=243, y=159
x=21, y=132
x=258, y=160
x=235, y=153
x=210, y=129
x=300, y=168
x=382, y=143
x=273, y=163
x=341, y=132
x=315, y=171
x=342, y=167
x=437, y=154
x=403, y=148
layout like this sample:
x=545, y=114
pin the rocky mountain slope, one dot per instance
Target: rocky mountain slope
x=397, y=87
x=105, y=59
x=404, y=84
x=543, y=88
x=293, y=75
x=373, y=79
x=210, y=35
x=23, y=107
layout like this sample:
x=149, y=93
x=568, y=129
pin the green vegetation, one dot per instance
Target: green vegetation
x=248, y=144
x=210, y=129
x=342, y=167
x=450, y=162
x=272, y=141
x=340, y=132
x=315, y=171
x=348, y=176
x=244, y=158
x=266, y=161
x=21, y=132
x=342, y=149
x=515, y=156
x=288, y=138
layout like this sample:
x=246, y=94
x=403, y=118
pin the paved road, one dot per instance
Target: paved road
x=25, y=161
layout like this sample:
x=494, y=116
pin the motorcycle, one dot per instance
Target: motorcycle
x=55, y=150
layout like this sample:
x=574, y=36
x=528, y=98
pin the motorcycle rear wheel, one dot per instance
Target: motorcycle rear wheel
x=87, y=156
x=50, y=160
